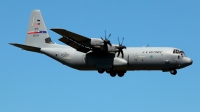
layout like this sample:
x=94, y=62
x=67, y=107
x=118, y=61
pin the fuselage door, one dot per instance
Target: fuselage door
x=132, y=60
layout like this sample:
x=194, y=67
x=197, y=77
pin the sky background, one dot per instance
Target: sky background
x=31, y=82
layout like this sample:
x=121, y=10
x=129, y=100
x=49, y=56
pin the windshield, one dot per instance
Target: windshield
x=176, y=51
x=182, y=54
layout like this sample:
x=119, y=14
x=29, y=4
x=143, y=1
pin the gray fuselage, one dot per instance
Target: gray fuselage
x=135, y=58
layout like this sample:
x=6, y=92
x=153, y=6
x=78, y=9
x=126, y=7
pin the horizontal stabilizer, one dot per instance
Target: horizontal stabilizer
x=26, y=47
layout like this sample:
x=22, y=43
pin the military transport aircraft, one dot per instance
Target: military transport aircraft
x=99, y=54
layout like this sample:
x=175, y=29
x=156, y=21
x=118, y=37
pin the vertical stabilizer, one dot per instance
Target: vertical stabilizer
x=37, y=34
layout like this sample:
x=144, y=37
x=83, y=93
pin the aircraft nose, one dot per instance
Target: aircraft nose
x=187, y=61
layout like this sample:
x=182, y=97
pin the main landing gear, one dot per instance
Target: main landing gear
x=173, y=72
x=112, y=73
x=101, y=71
x=119, y=73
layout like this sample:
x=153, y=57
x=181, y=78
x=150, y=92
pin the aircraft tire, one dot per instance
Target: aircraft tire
x=108, y=71
x=100, y=71
x=121, y=74
x=173, y=72
x=113, y=74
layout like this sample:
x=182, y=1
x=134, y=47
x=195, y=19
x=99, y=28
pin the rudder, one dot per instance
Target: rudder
x=37, y=34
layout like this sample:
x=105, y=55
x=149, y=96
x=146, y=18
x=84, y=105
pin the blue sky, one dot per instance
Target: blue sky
x=31, y=82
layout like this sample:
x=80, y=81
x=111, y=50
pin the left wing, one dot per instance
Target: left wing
x=78, y=42
x=82, y=43
x=75, y=45
x=73, y=36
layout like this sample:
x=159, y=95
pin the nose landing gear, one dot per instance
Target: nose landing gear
x=173, y=72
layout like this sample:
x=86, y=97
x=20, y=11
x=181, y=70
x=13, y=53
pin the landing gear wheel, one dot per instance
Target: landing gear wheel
x=113, y=74
x=100, y=71
x=108, y=71
x=173, y=72
x=121, y=74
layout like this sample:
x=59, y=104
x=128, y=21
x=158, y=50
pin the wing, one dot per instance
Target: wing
x=75, y=45
x=73, y=36
x=82, y=43
x=79, y=42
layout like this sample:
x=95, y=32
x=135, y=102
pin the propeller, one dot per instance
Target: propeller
x=120, y=48
x=106, y=41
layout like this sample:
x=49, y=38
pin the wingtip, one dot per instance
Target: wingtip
x=14, y=44
x=52, y=29
x=11, y=43
x=56, y=29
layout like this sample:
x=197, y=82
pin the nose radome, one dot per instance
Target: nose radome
x=188, y=61
x=191, y=61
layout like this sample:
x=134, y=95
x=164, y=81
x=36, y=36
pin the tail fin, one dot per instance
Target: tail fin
x=37, y=34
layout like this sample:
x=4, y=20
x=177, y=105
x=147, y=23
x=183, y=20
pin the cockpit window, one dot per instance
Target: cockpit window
x=182, y=53
x=176, y=51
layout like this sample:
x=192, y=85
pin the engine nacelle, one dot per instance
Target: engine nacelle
x=119, y=62
x=99, y=43
x=96, y=42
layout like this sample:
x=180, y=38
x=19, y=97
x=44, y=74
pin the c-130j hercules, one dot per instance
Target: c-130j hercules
x=98, y=53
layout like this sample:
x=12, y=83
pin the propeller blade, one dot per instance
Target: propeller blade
x=106, y=41
x=122, y=41
x=118, y=53
x=104, y=47
x=105, y=34
x=118, y=41
x=122, y=53
x=109, y=44
x=109, y=36
x=120, y=48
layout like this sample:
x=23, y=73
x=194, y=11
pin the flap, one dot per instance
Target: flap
x=75, y=45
